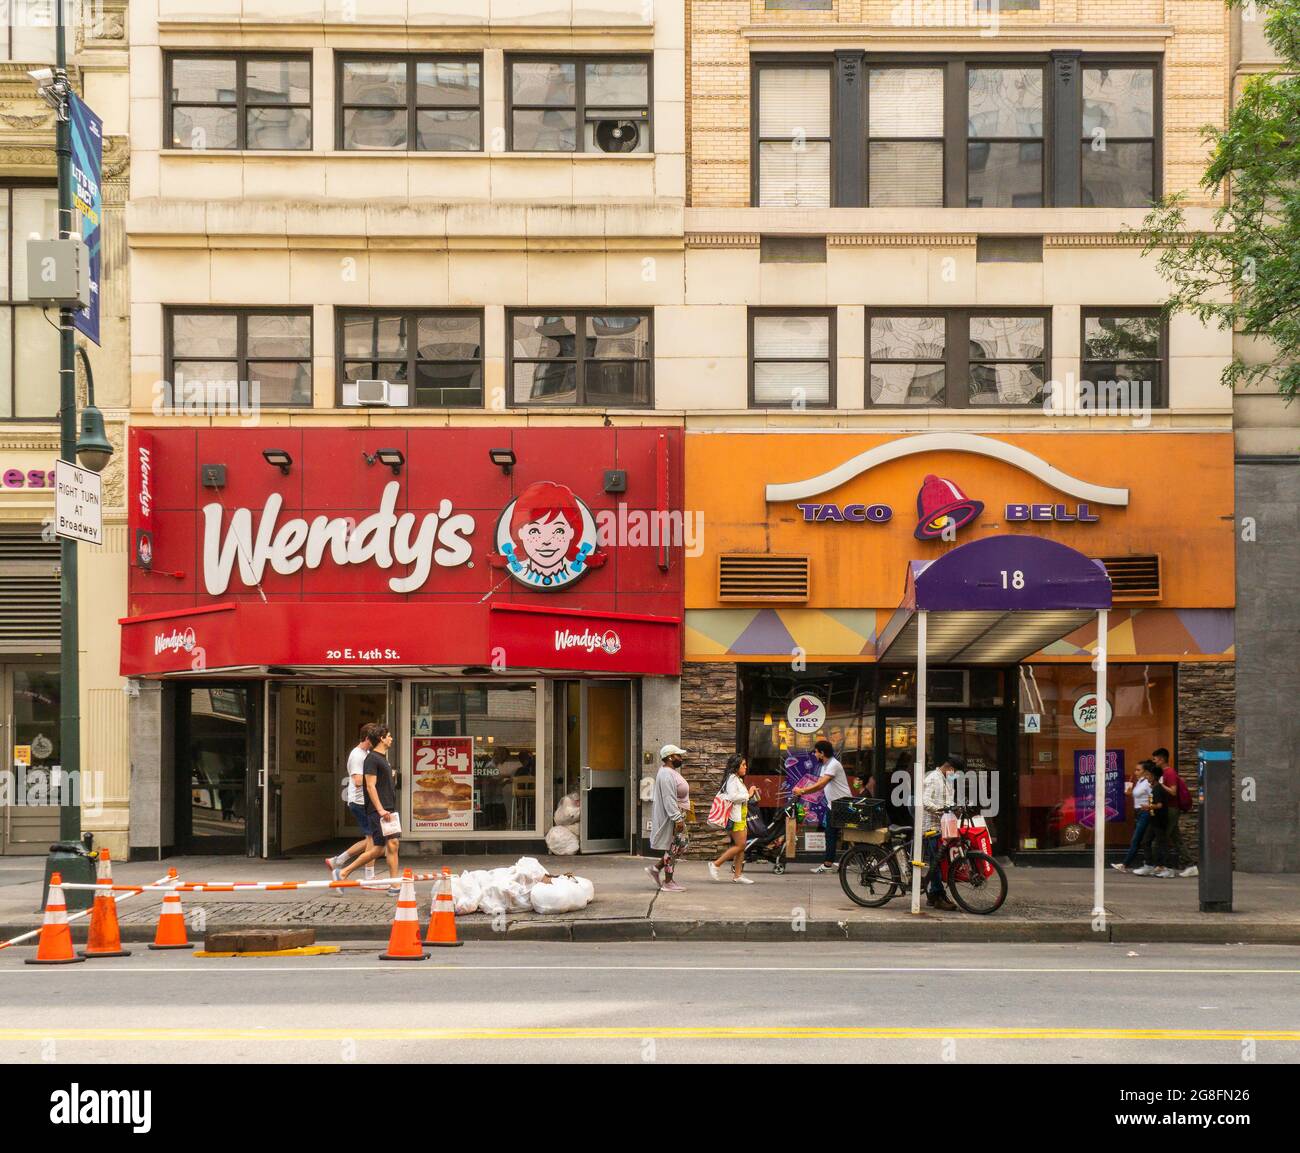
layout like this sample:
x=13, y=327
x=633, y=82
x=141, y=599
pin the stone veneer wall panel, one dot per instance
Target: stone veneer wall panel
x=709, y=735
x=1206, y=705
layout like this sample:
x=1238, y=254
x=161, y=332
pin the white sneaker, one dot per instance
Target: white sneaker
x=1165, y=873
x=1120, y=868
x=1144, y=871
x=715, y=872
x=823, y=869
x=741, y=881
x=1190, y=871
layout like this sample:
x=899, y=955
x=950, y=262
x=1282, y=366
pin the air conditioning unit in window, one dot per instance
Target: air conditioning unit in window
x=374, y=394
x=619, y=129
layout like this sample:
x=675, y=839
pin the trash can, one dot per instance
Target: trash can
x=75, y=862
x=1214, y=795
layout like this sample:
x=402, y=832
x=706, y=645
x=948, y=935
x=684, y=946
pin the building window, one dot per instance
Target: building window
x=1124, y=353
x=430, y=359
x=410, y=103
x=222, y=102
x=610, y=366
x=474, y=765
x=261, y=357
x=27, y=31
x=1004, y=113
x=1119, y=145
x=580, y=104
x=791, y=359
x=905, y=137
x=957, y=358
x=793, y=139
x=29, y=343
x=884, y=131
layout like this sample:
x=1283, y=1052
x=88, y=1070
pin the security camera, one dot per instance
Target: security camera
x=41, y=76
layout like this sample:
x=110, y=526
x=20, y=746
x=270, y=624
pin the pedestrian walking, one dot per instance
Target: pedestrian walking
x=1140, y=787
x=836, y=784
x=1157, y=844
x=354, y=796
x=938, y=792
x=381, y=807
x=672, y=799
x=739, y=794
x=1179, y=801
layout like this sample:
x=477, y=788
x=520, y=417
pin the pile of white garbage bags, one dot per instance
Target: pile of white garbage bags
x=524, y=886
x=562, y=839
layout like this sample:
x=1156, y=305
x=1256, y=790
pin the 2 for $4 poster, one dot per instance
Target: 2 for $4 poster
x=442, y=796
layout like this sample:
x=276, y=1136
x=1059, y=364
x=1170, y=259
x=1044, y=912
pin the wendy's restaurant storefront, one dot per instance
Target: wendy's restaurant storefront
x=826, y=551
x=506, y=600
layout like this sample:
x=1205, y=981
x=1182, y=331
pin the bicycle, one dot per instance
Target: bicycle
x=873, y=875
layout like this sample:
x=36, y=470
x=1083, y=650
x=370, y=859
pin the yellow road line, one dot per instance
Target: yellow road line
x=685, y=1033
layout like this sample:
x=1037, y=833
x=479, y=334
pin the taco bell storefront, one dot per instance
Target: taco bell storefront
x=507, y=600
x=800, y=616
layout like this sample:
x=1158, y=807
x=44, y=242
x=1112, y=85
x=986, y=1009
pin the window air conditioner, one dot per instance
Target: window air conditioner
x=619, y=129
x=374, y=393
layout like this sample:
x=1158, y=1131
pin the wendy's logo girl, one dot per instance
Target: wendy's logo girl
x=546, y=537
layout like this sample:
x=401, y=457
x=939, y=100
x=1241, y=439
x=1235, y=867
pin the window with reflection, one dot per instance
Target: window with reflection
x=1125, y=347
x=583, y=358
x=259, y=357
x=580, y=104
x=1119, y=129
x=431, y=359
x=410, y=103
x=238, y=101
x=29, y=343
x=1004, y=137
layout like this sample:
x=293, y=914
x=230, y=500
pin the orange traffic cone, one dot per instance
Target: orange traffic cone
x=442, y=918
x=404, y=938
x=105, y=937
x=55, y=945
x=170, y=933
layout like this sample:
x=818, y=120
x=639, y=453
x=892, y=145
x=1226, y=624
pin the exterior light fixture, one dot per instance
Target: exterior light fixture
x=503, y=458
x=277, y=458
x=92, y=448
x=392, y=457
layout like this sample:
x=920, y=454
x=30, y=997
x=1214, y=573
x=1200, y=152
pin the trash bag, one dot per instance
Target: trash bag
x=562, y=895
x=529, y=870
x=568, y=810
x=465, y=892
x=562, y=840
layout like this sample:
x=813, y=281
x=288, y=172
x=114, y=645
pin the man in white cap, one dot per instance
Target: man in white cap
x=672, y=799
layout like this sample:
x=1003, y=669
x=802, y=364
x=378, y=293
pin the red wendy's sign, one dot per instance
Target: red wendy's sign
x=327, y=556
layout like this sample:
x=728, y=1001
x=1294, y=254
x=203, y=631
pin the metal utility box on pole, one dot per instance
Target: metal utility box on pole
x=1214, y=795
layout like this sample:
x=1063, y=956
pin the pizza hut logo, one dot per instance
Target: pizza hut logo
x=174, y=641
x=588, y=641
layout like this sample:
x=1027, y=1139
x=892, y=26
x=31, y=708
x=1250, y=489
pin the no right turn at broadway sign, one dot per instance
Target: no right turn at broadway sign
x=78, y=503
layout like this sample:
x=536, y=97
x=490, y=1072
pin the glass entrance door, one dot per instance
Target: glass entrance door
x=218, y=763
x=606, y=767
x=31, y=733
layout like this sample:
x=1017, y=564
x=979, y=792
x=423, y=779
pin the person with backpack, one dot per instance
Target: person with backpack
x=354, y=796
x=1178, y=800
x=737, y=798
x=1158, y=809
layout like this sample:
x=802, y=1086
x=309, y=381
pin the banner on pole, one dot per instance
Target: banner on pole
x=87, y=131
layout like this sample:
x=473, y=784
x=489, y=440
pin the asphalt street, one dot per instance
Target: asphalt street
x=665, y=1002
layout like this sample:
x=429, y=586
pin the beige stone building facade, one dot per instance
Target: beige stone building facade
x=29, y=436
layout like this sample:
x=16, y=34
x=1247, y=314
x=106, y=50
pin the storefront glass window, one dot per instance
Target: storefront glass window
x=474, y=757
x=1055, y=794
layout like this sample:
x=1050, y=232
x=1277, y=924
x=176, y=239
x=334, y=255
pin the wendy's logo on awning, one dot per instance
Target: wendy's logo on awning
x=942, y=508
x=174, y=641
x=546, y=537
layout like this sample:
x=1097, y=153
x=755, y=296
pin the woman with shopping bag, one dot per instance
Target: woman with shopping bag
x=732, y=803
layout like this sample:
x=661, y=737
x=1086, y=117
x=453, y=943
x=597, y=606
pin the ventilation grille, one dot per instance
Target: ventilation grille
x=29, y=591
x=1133, y=578
x=762, y=577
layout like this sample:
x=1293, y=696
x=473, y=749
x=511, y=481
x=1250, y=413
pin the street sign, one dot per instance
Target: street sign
x=78, y=503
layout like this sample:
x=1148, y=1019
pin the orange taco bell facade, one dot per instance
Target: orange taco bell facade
x=794, y=625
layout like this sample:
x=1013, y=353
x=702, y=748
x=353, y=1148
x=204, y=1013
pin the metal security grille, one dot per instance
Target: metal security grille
x=29, y=590
x=1133, y=578
x=762, y=577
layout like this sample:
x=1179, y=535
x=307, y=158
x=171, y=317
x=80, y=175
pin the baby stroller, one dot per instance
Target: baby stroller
x=766, y=842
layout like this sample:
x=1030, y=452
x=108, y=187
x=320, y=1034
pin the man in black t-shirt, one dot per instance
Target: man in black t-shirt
x=381, y=804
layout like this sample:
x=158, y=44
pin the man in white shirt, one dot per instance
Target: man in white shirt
x=836, y=783
x=938, y=792
x=355, y=799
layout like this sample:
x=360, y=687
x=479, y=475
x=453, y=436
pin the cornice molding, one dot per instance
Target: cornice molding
x=901, y=240
x=1057, y=36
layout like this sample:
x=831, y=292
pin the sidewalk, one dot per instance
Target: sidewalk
x=1043, y=905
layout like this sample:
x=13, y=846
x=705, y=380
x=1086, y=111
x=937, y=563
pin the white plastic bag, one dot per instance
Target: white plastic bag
x=568, y=810
x=465, y=891
x=529, y=870
x=562, y=895
x=562, y=841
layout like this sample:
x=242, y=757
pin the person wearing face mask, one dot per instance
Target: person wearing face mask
x=939, y=791
x=672, y=799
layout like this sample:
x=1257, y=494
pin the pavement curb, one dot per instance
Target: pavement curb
x=927, y=928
